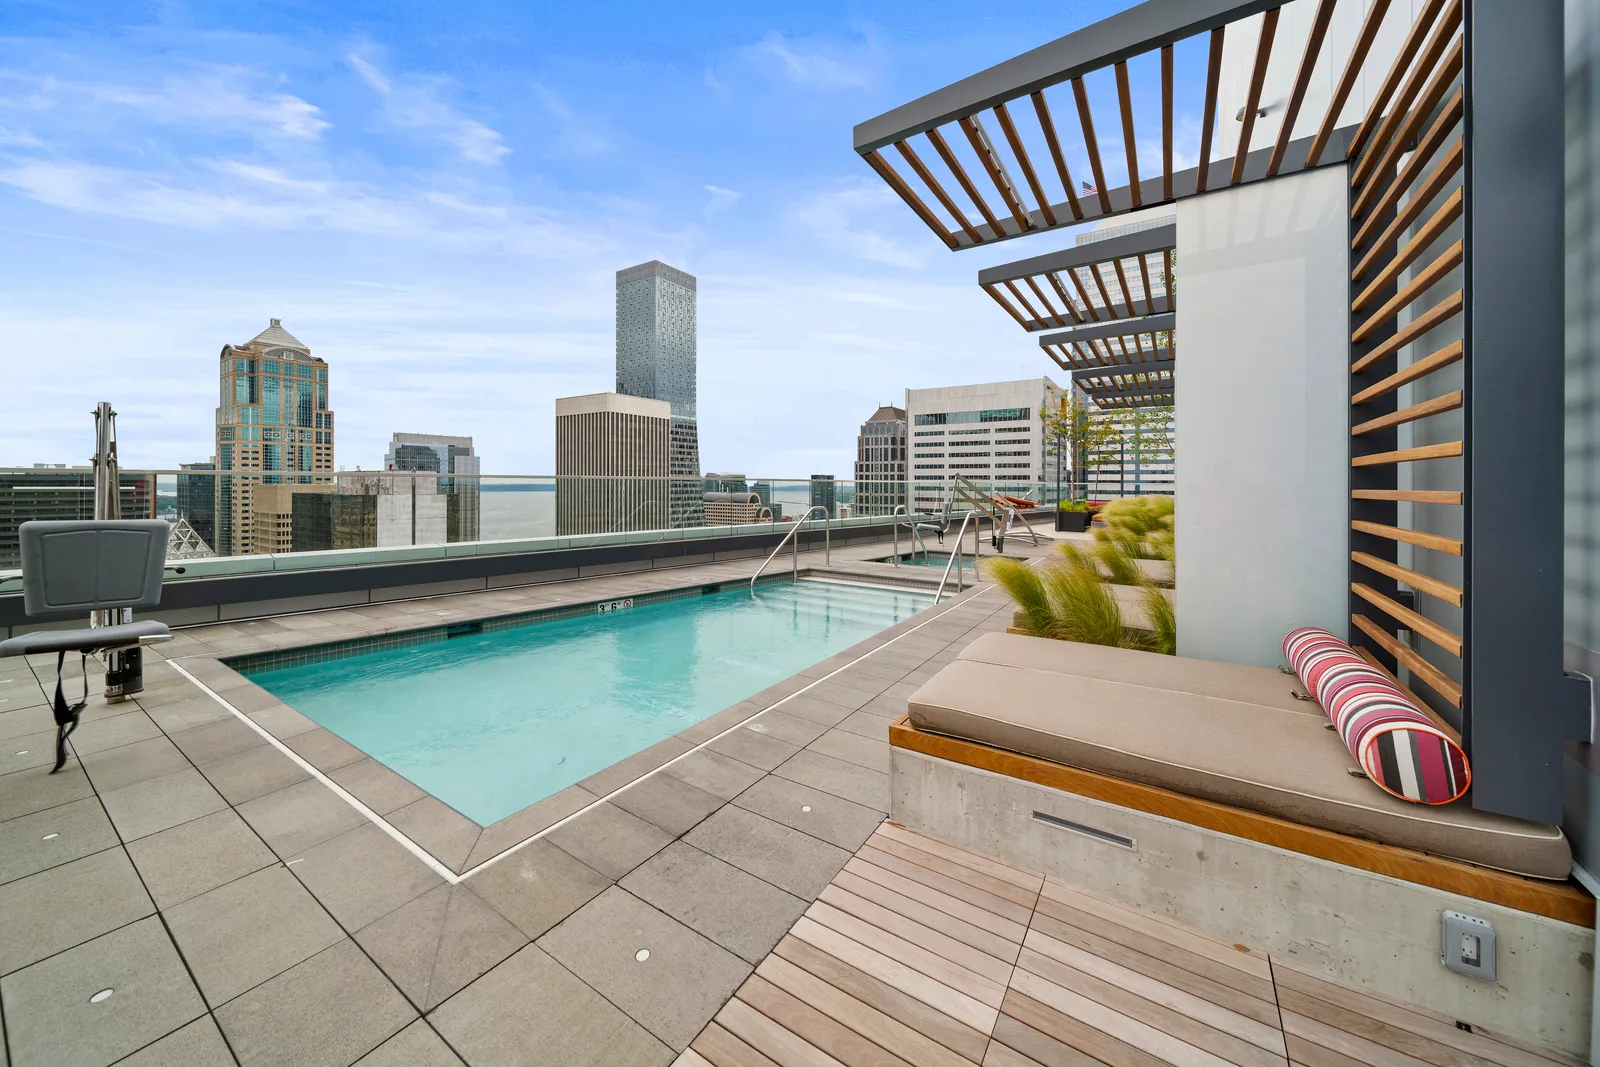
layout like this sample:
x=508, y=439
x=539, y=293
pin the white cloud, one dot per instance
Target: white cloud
x=418, y=103
x=205, y=96
x=227, y=193
x=832, y=215
x=815, y=63
x=721, y=199
x=19, y=137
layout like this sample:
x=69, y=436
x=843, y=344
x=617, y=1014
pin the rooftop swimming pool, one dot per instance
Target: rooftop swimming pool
x=492, y=717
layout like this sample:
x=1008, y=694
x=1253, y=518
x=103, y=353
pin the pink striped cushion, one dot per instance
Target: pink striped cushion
x=1396, y=744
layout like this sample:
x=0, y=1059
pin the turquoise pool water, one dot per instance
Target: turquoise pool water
x=941, y=560
x=492, y=722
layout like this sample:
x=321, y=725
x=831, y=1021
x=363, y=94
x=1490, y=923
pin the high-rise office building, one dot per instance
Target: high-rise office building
x=613, y=463
x=824, y=493
x=197, y=501
x=729, y=482
x=321, y=522
x=273, y=425
x=990, y=433
x=656, y=359
x=734, y=508
x=453, y=459
x=881, y=462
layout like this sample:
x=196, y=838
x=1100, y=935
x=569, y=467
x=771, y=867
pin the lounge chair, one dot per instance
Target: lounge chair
x=73, y=568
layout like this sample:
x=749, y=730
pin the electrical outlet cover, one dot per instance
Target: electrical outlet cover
x=1468, y=946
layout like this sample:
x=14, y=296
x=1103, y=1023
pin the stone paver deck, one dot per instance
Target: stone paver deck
x=240, y=908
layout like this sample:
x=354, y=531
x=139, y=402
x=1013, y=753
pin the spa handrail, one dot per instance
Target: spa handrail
x=955, y=556
x=827, y=541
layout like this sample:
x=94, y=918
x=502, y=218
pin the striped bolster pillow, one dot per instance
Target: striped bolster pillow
x=1395, y=743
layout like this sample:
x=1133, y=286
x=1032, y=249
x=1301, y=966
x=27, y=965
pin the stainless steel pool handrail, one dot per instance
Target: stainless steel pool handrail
x=827, y=543
x=916, y=535
x=955, y=556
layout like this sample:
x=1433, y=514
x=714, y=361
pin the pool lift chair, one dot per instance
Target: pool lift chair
x=939, y=527
x=102, y=566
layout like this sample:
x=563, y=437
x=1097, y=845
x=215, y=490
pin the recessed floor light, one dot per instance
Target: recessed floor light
x=49, y=837
x=805, y=807
x=24, y=752
x=102, y=995
x=642, y=955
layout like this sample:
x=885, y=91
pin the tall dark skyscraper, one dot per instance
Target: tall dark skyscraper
x=656, y=360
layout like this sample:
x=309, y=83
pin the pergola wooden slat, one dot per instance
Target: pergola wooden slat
x=1115, y=254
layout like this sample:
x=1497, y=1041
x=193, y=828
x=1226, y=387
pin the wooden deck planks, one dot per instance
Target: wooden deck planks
x=920, y=953
x=965, y=910
x=998, y=887
x=957, y=952
x=1026, y=880
x=970, y=983
x=1242, y=1027
x=1001, y=948
x=722, y=1049
x=942, y=1029
x=1260, y=1008
x=1158, y=1031
x=953, y=887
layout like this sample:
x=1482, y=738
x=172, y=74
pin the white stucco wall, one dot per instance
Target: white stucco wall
x=1262, y=415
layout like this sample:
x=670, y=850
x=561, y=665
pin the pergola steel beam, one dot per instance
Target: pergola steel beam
x=1166, y=363
x=1519, y=709
x=1133, y=32
x=1115, y=328
x=1141, y=242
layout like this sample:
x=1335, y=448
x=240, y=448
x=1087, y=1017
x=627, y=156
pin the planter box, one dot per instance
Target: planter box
x=1072, y=521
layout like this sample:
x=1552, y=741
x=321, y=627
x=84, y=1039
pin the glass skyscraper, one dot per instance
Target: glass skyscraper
x=656, y=360
x=273, y=422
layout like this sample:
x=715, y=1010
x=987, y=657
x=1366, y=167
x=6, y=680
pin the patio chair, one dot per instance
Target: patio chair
x=939, y=527
x=94, y=565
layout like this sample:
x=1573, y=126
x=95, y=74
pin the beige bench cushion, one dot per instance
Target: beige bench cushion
x=1277, y=761
x=1200, y=677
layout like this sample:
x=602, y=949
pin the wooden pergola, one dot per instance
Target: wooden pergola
x=1455, y=169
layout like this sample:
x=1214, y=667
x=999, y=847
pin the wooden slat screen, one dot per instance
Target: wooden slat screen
x=1407, y=389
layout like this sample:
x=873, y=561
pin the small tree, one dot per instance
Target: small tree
x=1150, y=435
x=1080, y=430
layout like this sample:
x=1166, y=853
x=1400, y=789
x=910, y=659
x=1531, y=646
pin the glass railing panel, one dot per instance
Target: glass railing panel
x=296, y=519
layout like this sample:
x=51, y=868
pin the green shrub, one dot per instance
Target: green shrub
x=1022, y=583
x=1118, y=562
x=1084, y=607
x=1139, y=515
x=1163, y=621
x=1072, y=505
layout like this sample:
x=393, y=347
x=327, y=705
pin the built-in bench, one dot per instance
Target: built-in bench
x=1212, y=793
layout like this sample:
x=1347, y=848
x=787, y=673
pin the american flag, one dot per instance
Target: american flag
x=1088, y=188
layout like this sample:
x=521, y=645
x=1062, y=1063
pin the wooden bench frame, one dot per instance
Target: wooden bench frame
x=1563, y=901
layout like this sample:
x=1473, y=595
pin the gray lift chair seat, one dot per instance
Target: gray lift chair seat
x=938, y=527
x=81, y=567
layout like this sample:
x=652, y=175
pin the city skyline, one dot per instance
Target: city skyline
x=442, y=212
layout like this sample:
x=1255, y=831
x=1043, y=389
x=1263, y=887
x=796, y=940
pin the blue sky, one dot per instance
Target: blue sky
x=435, y=197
